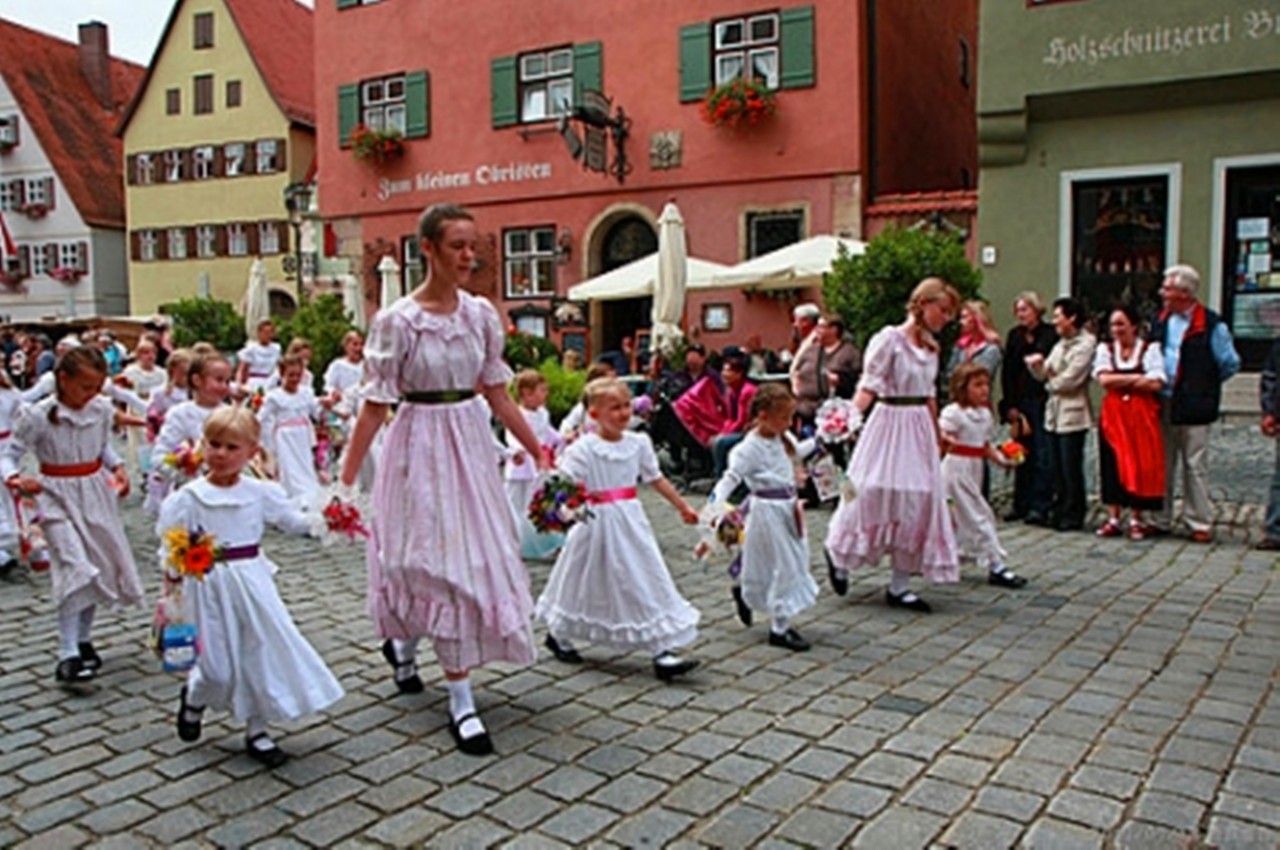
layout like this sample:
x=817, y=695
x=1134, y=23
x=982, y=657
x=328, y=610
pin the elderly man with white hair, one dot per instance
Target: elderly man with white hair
x=1199, y=356
x=804, y=365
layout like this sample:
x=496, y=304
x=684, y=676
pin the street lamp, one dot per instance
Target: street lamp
x=297, y=200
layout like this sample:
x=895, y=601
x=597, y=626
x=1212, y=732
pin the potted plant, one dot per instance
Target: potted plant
x=739, y=103
x=377, y=146
x=11, y=278
x=34, y=209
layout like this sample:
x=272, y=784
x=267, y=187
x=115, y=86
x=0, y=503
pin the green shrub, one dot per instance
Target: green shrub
x=206, y=320
x=871, y=290
x=564, y=387
x=323, y=322
x=526, y=351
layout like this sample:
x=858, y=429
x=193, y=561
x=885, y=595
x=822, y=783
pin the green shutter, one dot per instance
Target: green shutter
x=348, y=112
x=695, y=61
x=797, y=48
x=347, y=4
x=417, y=104
x=504, y=92
x=588, y=69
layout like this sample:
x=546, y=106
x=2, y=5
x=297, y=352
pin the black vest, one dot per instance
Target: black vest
x=1197, y=388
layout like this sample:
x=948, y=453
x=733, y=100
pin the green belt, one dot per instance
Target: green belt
x=438, y=396
x=903, y=400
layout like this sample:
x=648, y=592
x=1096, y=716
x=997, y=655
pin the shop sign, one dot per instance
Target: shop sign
x=488, y=174
x=1132, y=42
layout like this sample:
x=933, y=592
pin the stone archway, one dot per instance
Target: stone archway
x=620, y=234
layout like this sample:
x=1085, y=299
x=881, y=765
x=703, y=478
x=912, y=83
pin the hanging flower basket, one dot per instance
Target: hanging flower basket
x=377, y=146
x=66, y=274
x=7, y=145
x=34, y=210
x=739, y=103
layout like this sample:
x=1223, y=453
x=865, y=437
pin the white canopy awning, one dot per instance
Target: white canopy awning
x=796, y=266
x=635, y=280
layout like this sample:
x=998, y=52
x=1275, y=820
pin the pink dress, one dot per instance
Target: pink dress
x=444, y=555
x=900, y=505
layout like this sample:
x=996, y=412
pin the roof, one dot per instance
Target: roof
x=957, y=200
x=278, y=36
x=60, y=109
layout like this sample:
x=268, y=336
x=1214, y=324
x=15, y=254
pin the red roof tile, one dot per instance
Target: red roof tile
x=957, y=200
x=75, y=132
x=279, y=36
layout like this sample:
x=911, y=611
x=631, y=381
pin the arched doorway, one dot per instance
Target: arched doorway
x=624, y=240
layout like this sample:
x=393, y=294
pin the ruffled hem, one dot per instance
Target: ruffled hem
x=787, y=605
x=853, y=550
x=403, y=614
x=670, y=631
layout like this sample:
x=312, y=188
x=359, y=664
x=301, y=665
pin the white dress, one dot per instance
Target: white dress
x=289, y=432
x=92, y=561
x=521, y=482
x=10, y=402
x=775, y=576
x=610, y=585
x=343, y=375
x=253, y=661
x=975, y=522
x=262, y=360
x=183, y=423
x=144, y=384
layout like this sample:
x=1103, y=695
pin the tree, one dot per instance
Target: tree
x=871, y=290
x=323, y=322
x=206, y=320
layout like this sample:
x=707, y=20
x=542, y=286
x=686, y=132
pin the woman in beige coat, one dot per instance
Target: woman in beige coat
x=1068, y=415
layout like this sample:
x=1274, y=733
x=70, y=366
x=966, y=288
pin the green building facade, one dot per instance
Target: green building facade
x=1117, y=137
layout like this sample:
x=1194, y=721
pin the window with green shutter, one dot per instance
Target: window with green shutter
x=417, y=102
x=695, y=61
x=588, y=69
x=504, y=91
x=348, y=112
x=775, y=48
x=798, y=67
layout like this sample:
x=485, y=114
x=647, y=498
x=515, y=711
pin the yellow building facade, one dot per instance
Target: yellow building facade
x=217, y=132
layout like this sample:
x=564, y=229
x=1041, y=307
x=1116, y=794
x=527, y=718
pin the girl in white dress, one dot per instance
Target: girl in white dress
x=253, y=661
x=288, y=418
x=520, y=475
x=10, y=401
x=610, y=585
x=966, y=425
x=343, y=384
x=210, y=379
x=69, y=433
x=302, y=350
x=257, y=361
x=144, y=377
x=775, y=575
x=174, y=392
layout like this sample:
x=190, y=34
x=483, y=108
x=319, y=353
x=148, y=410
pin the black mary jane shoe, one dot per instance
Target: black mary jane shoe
x=839, y=580
x=71, y=671
x=188, y=730
x=790, y=639
x=666, y=671
x=271, y=757
x=89, y=656
x=907, y=600
x=406, y=685
x=479, y=744
x=744, y=611
x=568, y=655
x=1006, y=579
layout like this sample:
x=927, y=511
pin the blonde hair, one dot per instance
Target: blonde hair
x=202, y=349
x=296, y=345
x=601, y=387
x=528, y=380
x=234, y=421
x=351, y=335
x=982, y=313
x=1033, y=299
x=927, y=291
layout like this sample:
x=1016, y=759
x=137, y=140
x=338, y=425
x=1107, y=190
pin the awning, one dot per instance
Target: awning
x=635, y=280
x=796, y=266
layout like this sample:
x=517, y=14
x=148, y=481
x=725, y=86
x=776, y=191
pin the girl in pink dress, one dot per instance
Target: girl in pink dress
x=444, y=553
x=900, y=507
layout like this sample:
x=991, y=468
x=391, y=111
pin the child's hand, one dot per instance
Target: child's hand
x=544, y=463
x=688, y=515
x=25, y=484
x=120, y=481
x=517, y=458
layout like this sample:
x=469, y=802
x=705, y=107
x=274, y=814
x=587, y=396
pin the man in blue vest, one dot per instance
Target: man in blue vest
x=1199, y=356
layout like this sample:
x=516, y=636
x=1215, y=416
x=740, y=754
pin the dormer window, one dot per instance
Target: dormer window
x=8, y=132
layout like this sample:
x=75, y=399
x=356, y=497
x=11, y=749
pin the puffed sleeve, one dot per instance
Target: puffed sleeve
x=575, y=460
x=1153, y=363
x=384, y=358
x=950, y=421
x=650, y=471
x=495, y=370
x=25, y=428
x=877, y=366
x=734, y=475
x=281, y=511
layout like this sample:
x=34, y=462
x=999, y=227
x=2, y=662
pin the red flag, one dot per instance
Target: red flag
x=7, y=247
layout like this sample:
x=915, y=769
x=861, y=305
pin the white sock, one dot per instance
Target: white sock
x=86, y=622
x=1000, y=569
x=899, y=582
x=68, y=633
x=255, y=727
x=406, y=650
x=780, y=624
x=461, y=702
x=666, y=658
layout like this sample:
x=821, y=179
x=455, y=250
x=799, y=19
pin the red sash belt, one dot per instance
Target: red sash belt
x=967, y=451
x=71, y=470
x=4, y=435
x=618, y=494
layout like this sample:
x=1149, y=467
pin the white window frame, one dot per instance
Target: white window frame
x=233, y=158
x=69, y=255
x=1067, y=180
x=266, y=154
x=37, y=192
x=535, y=256
x=9, y=129
x=206, y=240
x=8, y=197
x=202, y=162
x=237, y=240
x=144, y=169
x=173, y=166
x=148, y=245
x=268, y=238
x=1218, y=222
x=545, y=84
x=38, y=265
x=176, y=242
x=383, y=105
x=748, y=50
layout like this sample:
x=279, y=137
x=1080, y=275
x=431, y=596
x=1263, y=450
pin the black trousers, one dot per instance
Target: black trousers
x=1067, y=453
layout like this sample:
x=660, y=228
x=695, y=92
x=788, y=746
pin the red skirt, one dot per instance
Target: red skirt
x=1131, y=426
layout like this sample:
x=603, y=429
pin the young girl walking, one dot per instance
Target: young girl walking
x=610, y=585
x=209, y=377
x=258, y=359
x=775, y=575
x=288, y=419
x=253, y=661
x=966, y=425
x=69, y=433
x=520, y=474
x=900, y=508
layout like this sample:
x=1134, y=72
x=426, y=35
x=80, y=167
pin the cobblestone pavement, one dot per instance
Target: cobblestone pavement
x=1124, y=699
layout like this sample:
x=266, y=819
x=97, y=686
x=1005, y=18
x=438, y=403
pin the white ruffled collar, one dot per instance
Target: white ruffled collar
x=623, y=449
x=448, y=325
x=211, y=495
x=90, y=414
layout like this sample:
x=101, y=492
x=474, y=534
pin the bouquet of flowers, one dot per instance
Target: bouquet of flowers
x=720, y=527
x=338, y=515
x=184, y=462
x=256, y=398
x=837, y=420
x=32, y=546
x=192, y=551
x=1013, y=451
x=558, y=504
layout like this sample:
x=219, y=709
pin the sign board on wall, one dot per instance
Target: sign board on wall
x=487, y=174
x=1117, y=44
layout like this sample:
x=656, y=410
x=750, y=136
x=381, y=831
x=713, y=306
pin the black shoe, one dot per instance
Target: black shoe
x=568, y=656
x=411, y=684
x=89, y=657
x=9, y=570
x=1006, y=579
x=907, y=600
x=744, y=613
x=477, y=745
x=839, y=580
x=271, y=757
x=188, y=729
x=668, y=670
x=790, y=639
x=72, y=671
x=1036, y=519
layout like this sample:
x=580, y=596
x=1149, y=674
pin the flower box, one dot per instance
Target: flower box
x=739, y=103
x=11, y=279
x=377, y=146
x=34, y=210
x=66, y=274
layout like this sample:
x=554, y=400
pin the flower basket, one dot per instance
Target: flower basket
x=34, y=210
x=7, y=145
x=66, y=274
x=13, y=280
x=739, y=103
x=377, y=146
